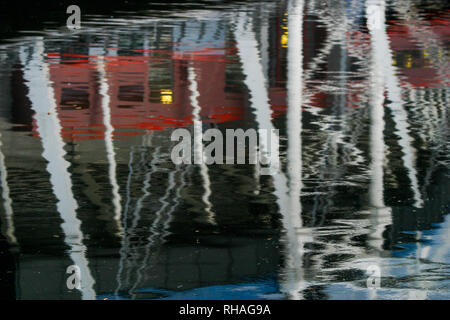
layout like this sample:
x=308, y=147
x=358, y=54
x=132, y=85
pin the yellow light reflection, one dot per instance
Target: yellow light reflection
x=284, y=40
x=409, y=62
x=166, y=96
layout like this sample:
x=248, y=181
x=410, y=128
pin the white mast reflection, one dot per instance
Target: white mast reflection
x=298, y=234
x=288, y=197
x=198, y=144
x=110, y=153
x=381, y=215
x=41, y=95
x=383, y=61
x=8, y=223
x=381, y=43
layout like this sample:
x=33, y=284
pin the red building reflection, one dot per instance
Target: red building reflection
x=149, y=89
x=135, y=102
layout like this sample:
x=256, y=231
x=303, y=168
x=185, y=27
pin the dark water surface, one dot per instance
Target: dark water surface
x=362, y=111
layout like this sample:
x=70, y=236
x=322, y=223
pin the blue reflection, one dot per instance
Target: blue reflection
x=258, y=290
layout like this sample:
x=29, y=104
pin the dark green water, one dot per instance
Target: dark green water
x=362, y=112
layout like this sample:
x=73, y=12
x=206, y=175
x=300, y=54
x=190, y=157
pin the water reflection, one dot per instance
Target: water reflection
x=361, y=108
x=40, y=93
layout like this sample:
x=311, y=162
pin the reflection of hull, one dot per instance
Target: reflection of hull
x=192, y=266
